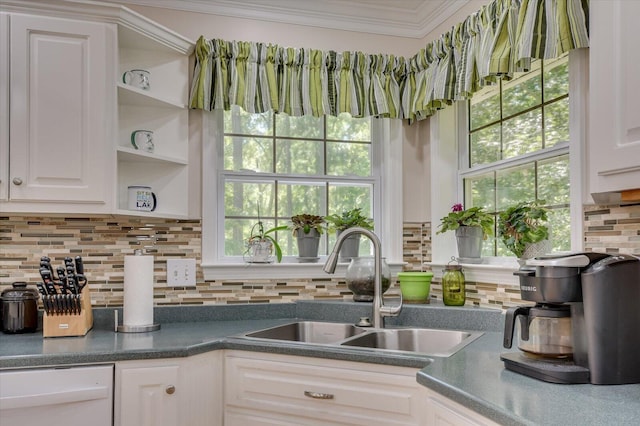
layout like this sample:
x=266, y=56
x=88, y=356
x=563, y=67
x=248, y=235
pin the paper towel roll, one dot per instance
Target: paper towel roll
x=138, y=291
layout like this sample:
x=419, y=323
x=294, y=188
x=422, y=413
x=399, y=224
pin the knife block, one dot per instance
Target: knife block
x=70, y=324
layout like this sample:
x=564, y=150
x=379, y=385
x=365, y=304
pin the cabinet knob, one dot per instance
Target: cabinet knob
x=17, y=181
x=318, y=395
x=170, y=389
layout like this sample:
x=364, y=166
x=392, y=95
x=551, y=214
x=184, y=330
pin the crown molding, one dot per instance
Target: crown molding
x=411, y=19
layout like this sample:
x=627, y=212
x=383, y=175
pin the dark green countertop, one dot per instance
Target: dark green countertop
x=474, y=377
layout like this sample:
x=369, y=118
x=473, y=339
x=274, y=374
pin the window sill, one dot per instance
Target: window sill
x=493, y=270
x=277, y=271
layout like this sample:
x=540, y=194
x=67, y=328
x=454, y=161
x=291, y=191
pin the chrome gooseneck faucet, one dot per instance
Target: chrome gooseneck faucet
x=379, y=310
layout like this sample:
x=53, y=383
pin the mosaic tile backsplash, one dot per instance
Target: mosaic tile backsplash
x=104, y=241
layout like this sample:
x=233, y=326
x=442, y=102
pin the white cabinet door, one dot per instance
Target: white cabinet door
x=181, y=391
x=59, y=112
x=4, y=106
x=614, y=124
x=148, y=396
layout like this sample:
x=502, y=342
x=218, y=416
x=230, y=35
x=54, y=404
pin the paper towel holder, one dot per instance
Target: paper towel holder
x=134, y=328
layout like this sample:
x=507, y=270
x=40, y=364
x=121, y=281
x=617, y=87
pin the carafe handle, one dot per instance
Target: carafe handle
x=510, y=322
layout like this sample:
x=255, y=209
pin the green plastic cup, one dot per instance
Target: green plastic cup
x=415, y=286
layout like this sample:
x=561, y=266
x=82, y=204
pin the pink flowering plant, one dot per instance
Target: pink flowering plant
x=474, y=216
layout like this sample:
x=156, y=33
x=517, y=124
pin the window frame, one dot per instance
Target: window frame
x=387, y=191
x=449, y=153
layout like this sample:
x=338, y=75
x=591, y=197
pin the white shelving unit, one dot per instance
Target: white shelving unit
x=163, y=110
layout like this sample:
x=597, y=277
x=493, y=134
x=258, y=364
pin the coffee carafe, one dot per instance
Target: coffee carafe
x=544, y=330
x=584, y=325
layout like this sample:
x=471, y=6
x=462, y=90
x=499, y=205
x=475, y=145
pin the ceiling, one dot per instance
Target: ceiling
x=405, y=18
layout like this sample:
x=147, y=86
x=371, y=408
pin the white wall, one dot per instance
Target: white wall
x=416, y=188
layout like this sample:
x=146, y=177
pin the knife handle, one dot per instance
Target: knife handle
x=61, y=274
x=71, y=283
x=79, y=265
x=81, y=282
x=51, y=288
x=68, y=264
x=46, y=275
x=41, y=289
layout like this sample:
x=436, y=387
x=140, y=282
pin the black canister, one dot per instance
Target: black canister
x=19, y=309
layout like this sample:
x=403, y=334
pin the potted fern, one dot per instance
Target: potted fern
x=307, y=228
x=523, y=229
x=472, y=226
x=349, y=219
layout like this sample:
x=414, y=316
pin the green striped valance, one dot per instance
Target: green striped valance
x=501, y=38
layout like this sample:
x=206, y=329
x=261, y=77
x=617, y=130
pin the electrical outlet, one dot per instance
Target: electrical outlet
x=181, y=272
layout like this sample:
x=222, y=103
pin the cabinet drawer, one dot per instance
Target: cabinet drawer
x=343, y=395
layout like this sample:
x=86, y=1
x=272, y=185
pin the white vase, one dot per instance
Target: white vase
x=260, y=251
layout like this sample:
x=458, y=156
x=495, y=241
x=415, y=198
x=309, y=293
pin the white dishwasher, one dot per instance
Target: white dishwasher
x=57, y=396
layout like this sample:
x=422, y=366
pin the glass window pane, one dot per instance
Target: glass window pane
x=514, y=185
x=553, y=180
x=238, y=121
x=556, y=122
x=560, y=229
x=246, y=153
x=236, y=232
x=556, y=78
x=479, y=191
x=343, y=197
x=299, y=157
x=348, y=159
x=522, y=93
x=249, y=199
x=346, y=128
x=301, y=198
x=485, y=145
x=522, y=134
x=299, y=127
x=484, y=107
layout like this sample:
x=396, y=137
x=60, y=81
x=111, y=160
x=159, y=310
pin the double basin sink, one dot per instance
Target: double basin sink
x=423, y=341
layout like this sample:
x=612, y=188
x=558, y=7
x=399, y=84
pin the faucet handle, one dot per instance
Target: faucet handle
x=391, y=311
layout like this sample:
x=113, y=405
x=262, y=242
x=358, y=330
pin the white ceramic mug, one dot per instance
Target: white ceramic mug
x=142, y=198
x=142, y=140
x=137, y=78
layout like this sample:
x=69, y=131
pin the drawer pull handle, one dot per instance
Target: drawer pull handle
x=318, y=395
x=170, y=389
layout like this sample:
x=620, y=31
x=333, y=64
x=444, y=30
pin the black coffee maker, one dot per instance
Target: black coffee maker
x=585, y=325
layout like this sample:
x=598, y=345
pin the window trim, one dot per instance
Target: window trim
x=387, y=208
x=446, y=181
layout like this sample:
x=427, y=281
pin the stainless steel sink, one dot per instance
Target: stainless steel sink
x=309, y=332
x=423, y=341
x=442, y=343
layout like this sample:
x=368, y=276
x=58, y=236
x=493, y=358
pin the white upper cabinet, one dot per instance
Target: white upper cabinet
x=614, y=86
x=71, y=115
x=58, y=115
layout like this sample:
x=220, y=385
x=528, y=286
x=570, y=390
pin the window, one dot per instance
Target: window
x=273, y=166
x=516, y=147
